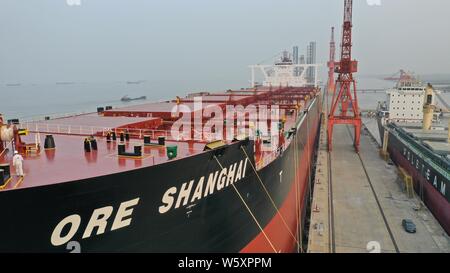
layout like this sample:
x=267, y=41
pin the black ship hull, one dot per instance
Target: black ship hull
x=165, y=208
x=430, y=174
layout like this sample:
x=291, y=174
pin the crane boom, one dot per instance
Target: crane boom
x=346, y=83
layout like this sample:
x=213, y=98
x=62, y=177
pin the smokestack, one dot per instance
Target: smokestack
x=295, y=58
x=295, y=54
x=311, y=59
x=428, y=108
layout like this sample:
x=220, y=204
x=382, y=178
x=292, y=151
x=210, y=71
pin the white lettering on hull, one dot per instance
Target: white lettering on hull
x=99, y=219
x=216, y=181
x=428, y=174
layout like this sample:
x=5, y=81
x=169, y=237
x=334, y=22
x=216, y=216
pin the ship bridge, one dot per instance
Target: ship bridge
x=285, y=73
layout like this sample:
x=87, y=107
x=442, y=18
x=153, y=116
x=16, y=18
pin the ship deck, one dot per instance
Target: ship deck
x=69, y=161
x=434, y=139
x=91, y=123
x=95, y=119
x=154, y=108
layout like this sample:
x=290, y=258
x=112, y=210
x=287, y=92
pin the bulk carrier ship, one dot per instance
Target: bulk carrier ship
x=416, y=134
x=120, y=179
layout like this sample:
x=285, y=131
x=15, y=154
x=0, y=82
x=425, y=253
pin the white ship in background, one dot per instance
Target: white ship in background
x=415, y=133
x=404, y=102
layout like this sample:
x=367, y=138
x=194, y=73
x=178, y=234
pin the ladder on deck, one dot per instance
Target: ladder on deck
x=408, y=180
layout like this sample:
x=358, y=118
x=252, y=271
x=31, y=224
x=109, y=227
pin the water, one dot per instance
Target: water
x=30, y=100
x=369, y=100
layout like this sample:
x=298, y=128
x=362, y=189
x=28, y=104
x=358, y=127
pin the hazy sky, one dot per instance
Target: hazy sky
x=194, y=40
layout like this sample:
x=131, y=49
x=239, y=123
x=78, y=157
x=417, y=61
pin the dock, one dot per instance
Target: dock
x=359, y=202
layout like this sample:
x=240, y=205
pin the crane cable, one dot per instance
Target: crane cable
x=297, y=198
x=270, y=197
x=298, y=207
x=248, y=209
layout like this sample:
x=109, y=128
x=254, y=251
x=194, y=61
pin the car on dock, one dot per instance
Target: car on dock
x=409, y=225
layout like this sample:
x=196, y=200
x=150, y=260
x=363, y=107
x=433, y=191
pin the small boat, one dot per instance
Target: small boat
x=126, y=98
x=134, y=82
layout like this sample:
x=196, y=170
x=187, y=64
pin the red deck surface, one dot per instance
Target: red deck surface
x=96, y=120
x=221, y=98
x=165, y=107
x=70, y=162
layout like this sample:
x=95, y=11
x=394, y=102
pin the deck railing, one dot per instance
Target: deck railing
x=54, y=116
x=83, y=130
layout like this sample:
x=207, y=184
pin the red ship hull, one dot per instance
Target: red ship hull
x=429, y=172
x=435, y=201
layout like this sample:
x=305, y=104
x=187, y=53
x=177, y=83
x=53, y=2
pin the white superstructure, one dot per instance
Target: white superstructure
x=405, y=101
x=285, y=73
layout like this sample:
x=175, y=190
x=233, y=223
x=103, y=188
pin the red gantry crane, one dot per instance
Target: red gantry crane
x=331, y=63
x=401, y=75
x=345, y=82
